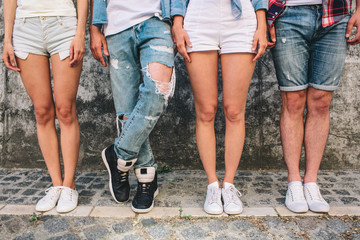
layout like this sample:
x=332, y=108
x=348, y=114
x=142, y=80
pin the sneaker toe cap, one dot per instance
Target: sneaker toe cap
x=319, y=207
x=298, y=207
x=213, y=208
x=233, y=208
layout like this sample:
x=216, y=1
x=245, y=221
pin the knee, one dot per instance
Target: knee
x=163, y=76
x=234, y=114
x=207, y=114
x=65, y=114
x=294, y=102
x=44, y=115
x=319, y=104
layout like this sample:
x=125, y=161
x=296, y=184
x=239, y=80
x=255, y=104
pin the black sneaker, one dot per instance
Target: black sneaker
x=118, y=179
x=147, y=190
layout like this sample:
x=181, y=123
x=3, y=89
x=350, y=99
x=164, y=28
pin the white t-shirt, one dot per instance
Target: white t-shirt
x=126, y=13
x=35, y=8
x=302, y=2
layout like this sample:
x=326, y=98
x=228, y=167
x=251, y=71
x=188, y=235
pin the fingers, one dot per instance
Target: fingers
x=105, y=47
x=272, y=38
x=354, y=40
x=349, y=28
x=261, y=50
x=9, y=61
x=255, y=43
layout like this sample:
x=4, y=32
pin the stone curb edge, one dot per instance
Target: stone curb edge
x=166, y=212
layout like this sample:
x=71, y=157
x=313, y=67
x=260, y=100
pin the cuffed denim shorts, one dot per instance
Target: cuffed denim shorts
x=211, y=25
x=43, y=36
x=306, y=54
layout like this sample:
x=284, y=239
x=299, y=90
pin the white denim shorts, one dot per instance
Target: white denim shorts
x=211, y=25
x=43, y=36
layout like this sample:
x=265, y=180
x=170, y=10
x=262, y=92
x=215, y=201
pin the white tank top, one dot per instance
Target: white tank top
x=35, y=8
x=302, y=2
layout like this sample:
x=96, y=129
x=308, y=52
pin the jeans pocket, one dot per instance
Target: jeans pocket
x=283, y=12
x=67, y=22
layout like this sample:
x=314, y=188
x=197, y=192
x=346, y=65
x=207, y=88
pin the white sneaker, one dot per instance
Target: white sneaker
x=295, y=200
x=68, y=200
x=49, y=201
x=231, y=197
x=213, y=204
x=314, y=199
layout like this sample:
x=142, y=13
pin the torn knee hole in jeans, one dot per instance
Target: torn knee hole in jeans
x=163, y=87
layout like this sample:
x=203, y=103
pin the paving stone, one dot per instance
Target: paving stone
x=56, y=225
x=28, y=192
x=223, y=237
x=355, y=236
x=15, y=225
x=349, y=200
x=23, y=184
x=324, y=234
x=84, y=221
x=84, y=179
x=341, y=192
x=16, y=200
x=133, y=237
x=307, y=224
x=337, y=225
x=330, y=179
x=123, y=227
x=159, y=232
x=262, y=184
x=11, y=191
x=96, y=233
x=263, y=191
x=68, y=236
x=3, y=198
x=193, y=232
x=11, y=179
x=5, y=218
x=257, y=235
x=45, y=179
x=243, y=225
x=148, y=222
x=87, y=193
x=26, y=236
x=97, y=186
x=217, y=225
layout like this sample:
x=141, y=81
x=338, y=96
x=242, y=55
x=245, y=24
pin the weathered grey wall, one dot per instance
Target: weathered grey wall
x=173, y=139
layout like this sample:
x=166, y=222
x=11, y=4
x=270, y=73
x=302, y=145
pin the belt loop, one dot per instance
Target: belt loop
x=23, y=21
x=59, y=20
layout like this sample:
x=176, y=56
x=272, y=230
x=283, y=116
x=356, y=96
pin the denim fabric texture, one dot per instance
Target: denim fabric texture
x=307, y=54
x=43, y=36
x=99, y=11
x=138, y=99
x=178, y=7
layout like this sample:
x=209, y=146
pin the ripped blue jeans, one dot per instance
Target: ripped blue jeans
x=139, y=99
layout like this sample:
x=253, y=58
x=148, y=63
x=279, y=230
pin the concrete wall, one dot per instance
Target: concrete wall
x=173, y=139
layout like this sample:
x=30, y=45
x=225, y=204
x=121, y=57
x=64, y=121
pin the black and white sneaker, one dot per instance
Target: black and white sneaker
x=118, y=174
x=147, y=190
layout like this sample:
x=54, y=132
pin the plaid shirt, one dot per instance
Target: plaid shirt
x=333, y=10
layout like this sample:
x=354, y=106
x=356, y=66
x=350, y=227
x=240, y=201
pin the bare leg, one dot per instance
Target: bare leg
x=35, y=75
x=236, y=82
x=292, y=130
x=66, y=81
x=316, y=130
x=203, y=77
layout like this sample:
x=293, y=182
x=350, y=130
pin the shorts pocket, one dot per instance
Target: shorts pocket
x=67, y=22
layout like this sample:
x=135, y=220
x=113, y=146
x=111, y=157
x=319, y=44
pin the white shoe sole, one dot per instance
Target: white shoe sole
x=136, y=210
x=109, y=171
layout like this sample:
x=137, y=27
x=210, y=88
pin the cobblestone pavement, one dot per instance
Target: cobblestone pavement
x=262, y=190
x=181, y=188
x=224, y=228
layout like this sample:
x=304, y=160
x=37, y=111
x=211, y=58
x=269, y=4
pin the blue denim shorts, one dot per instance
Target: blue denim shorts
x=306, y=54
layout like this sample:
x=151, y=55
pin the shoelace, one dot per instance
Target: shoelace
x=297, y=192
x=57, y=188
x=314, y=192
x=233, y=194
x=214, y=196
x=123, y=176
x=144, y=188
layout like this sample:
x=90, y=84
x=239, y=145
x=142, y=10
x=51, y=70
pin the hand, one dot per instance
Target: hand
x=180, y=37
x=353, y=22
x=260, y=43
x=8, y=57
x=98, y=44
x=272, y=37
x=77, y=50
